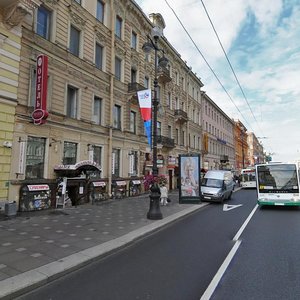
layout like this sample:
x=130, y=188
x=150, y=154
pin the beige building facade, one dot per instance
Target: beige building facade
x=91, y=136
x=218, y=137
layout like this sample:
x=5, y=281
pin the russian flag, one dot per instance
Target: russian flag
x=145, y=102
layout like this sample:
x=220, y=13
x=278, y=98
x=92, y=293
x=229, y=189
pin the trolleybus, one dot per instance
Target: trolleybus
x=277, y=184
x=248, y=178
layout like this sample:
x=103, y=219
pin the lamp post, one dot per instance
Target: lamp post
x=154, y=212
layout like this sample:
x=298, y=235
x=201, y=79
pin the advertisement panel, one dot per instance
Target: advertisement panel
x=190, y=185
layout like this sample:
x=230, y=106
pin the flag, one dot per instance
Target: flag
x=145, y=103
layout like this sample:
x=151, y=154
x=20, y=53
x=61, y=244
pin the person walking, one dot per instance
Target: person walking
x=163, y=194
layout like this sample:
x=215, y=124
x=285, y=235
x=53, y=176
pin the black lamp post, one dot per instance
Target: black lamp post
x=154, y=212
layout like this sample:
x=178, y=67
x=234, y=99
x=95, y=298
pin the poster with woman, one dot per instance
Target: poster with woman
x=189, y=170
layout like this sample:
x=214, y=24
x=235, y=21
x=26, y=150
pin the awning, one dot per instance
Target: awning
x=120, y=183
x=136, y=181
x=99, y=183
x=85, y=164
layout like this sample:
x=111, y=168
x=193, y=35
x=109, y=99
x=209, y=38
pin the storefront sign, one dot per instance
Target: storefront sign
x=121, y=183
x=21, y=157
x=38, y=187
x=78, y=165
x=40, y=113
x=99, y=183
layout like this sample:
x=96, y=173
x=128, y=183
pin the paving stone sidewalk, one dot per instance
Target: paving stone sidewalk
x=37, y=247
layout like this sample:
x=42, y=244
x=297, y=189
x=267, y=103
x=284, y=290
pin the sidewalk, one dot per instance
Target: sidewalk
x=38, y=247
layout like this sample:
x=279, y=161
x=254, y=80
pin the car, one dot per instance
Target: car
x=217, y=186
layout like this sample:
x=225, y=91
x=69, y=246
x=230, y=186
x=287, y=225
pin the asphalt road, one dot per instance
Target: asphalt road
x=267, y=263
x=178, y=262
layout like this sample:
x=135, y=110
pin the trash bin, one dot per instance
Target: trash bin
x=10, y=209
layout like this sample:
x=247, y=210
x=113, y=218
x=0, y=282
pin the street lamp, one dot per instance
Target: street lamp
x=154, y=212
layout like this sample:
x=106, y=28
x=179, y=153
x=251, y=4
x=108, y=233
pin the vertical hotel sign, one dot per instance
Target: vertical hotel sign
x=40, y=113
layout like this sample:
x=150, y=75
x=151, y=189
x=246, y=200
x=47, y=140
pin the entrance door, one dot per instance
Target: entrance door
x=170, y=179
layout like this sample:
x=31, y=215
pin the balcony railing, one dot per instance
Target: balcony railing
x=165, y=141
x=135, y=87
x=224, y=158
x=180, y=115
x=163, y=75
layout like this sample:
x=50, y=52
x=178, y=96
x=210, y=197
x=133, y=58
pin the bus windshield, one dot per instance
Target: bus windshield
x=274, y=178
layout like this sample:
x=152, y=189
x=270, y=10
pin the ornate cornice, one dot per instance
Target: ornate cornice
x=14, y=14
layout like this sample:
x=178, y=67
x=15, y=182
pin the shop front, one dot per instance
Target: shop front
x=35, y=197
x=135, y=187
x=78, y=180
x=98, y=191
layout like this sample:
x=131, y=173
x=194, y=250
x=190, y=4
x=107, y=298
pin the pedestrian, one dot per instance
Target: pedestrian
x=163, y=194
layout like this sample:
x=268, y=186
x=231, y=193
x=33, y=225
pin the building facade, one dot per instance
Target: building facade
x=241, y=146
x=218, y=137
x=255, y=150
x=12, y=14
x=89, y=134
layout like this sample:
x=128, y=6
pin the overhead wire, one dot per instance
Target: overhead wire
x=219, y=81
x=205, y=60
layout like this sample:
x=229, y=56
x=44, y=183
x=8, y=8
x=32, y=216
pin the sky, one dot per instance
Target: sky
x=259, y=81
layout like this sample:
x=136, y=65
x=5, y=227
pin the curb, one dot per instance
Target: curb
x=15, y=286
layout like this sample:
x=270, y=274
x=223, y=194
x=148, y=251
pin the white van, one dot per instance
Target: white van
x=217, y=186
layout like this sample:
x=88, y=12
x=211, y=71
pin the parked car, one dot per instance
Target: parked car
x=217, y=186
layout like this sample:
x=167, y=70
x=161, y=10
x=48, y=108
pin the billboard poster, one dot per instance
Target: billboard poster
x=189, y=170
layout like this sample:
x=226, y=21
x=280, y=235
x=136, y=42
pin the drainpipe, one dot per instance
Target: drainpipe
x=111, y=99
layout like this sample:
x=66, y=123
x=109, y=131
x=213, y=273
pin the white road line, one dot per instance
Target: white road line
x=238, y=234
x=213, y=284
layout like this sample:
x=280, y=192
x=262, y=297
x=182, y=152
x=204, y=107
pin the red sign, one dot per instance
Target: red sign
x=40, y=113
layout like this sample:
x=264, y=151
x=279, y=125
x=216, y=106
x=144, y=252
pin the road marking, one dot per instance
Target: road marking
x=227, y=207
x=213, y=284
x=238, y=234
x=215, y=281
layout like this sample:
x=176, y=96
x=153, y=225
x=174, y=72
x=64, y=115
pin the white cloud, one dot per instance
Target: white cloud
x=261, y=38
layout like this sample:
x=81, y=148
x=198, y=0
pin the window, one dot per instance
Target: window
x=35, y=157
x=78, y=1
x=43, y=22
x=169, y=131
x=176, y=136
x=133, y=163
x=72, y=102
x=100, y=11
x=146, y=82
x=133, y=121
x=158, y=128
x=118, y=68
x=169, y=100
x=99, y=56
x=70, y=153
x=133, y=40
x=74, y=41
x=97, y=113
x=117, y=117
x=97, y=154
x=133, y=75
x=182, y=138
x=118, y=29
x=116, y=163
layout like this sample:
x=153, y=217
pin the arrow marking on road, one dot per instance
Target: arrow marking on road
x=227, y=207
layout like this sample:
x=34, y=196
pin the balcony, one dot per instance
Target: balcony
x=133, y=88
x=165, y=141
x=180, y=115
x=224, y=158
x=163, y=75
